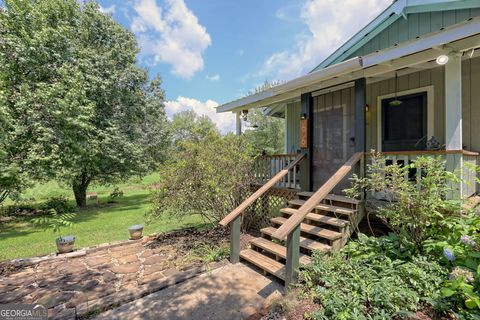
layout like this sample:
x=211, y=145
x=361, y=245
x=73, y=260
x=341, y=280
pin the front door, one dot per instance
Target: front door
x=404, y=125
x=333, y=136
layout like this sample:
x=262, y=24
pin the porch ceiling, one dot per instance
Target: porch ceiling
x=405, y=57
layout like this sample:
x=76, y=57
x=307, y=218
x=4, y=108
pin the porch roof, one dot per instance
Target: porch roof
x=455, y=39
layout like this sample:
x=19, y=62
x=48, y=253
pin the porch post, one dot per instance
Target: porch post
x=306, y=164
x=238, y=123
x=453, y=118
x=360, y=103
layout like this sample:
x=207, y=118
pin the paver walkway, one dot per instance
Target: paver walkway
x=229, y=292
x=72, y=285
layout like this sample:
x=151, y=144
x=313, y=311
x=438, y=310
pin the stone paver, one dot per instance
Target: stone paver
x=63, y=284
x=230, y=292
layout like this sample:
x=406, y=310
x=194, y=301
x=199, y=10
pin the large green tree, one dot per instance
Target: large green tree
x=265, y=133
x=82, y=110
x=187, y=126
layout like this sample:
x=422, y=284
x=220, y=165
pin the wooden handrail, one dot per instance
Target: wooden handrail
x=297, y=218
x=257, y=194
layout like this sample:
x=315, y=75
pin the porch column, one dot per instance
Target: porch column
x=453, y=119
x=306, y=164
x=453, y=103
x=360, y=103
x=238, y=123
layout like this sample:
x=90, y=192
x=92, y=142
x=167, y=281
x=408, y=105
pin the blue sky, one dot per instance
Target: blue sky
x=210, y=52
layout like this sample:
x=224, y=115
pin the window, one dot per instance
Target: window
x=404, y=126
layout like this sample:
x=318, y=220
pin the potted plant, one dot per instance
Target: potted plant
x=136, y=231
x=55, y=222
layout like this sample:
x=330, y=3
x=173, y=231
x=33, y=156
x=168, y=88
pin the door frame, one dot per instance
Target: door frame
x=430, y=111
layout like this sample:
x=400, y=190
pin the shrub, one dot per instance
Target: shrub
x=60, y=204
x=366, y=280
x=116, y=193
x=411, y=209
x=209, y=177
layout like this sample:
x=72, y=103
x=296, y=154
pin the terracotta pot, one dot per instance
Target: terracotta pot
x=65, y=244
x=136, y=232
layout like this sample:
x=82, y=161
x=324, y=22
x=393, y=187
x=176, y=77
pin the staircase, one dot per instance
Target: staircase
x=325, y=228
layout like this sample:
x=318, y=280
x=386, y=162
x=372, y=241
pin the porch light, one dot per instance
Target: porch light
x=367, y=108
x=244, y=115
x=442, y=59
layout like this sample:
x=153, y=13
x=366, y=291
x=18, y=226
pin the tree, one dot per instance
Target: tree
x=83, y=110
x=267, y=134
x=209, y=177
x=187, y=126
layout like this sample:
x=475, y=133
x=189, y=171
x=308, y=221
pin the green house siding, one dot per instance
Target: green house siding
x=471, y=103
x=416, y=24
x=292, y=132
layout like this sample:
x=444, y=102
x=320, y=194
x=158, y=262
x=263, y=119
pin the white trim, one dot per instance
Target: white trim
x=430, y=111
x=453, y=103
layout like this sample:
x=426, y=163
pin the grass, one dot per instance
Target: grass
x=96, y=224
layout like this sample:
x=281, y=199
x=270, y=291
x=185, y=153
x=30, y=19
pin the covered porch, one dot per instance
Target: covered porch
x=334, y=112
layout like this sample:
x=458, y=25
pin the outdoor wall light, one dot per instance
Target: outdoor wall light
x=442, y=59
x=304, y=116
x=367, y=108
x=244, y=115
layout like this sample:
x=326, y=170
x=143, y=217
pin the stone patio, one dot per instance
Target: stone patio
x=93, y=279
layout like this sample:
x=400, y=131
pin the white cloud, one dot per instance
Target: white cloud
x=171, y=34
x=108, y=10
x=215, y=77
x=330, y=23
x=224, y=121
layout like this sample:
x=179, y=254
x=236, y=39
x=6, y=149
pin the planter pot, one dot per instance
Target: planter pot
x=136, y=232
x=65, y=244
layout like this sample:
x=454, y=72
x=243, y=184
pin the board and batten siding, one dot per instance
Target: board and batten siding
x=292, y=127
x=416, y=24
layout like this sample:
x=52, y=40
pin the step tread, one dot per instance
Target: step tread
x=270, y=265
x=277, y=249
x=333, y=197
x=308, y=228
x=319, y=218
x=325, y=207
x=304, y=242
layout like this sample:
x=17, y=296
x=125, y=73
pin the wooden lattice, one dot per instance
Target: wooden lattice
x=268, y=206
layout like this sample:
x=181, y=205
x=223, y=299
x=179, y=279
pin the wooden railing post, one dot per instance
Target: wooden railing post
x=293, y=256
x=235, y=239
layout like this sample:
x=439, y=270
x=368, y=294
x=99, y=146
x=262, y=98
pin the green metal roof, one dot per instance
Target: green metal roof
x=398, y=9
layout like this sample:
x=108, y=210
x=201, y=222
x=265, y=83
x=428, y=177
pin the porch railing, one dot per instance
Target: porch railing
x=234, y=217
x=267, y=166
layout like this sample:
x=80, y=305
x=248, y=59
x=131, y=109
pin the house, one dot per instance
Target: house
x=411, y=74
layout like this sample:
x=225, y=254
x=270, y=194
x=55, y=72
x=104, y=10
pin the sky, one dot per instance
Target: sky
x=209, y=52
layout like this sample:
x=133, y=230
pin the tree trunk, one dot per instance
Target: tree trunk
x=80, y=186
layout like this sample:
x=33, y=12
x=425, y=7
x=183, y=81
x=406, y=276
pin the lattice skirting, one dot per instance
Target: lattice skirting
x=268, y=206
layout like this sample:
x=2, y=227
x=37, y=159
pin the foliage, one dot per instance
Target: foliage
x=80, y=109
x=116, y=193
x=55, y=221
x=268, y=133
x=187, y=126
x=411, y=209
x=367, y=280
x=456, y=244
x=208, y=253
x=209, y=177
x=60, y=204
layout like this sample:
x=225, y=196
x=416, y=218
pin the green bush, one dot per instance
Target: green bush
x=411, y=209
x=367, y=280
x=209, y=177
x=60, y=204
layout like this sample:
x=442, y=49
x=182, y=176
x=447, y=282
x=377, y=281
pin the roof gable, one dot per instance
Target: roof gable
x=397, y=23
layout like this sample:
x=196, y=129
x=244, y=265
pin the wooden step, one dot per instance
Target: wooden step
x=263, y=262
x=332, y=197
x=277, y=249
x=313, y=230
x=305, y=243
x=340, y=223
x=325, y=207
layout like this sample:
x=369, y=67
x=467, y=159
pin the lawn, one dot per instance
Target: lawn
x=96, y=224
